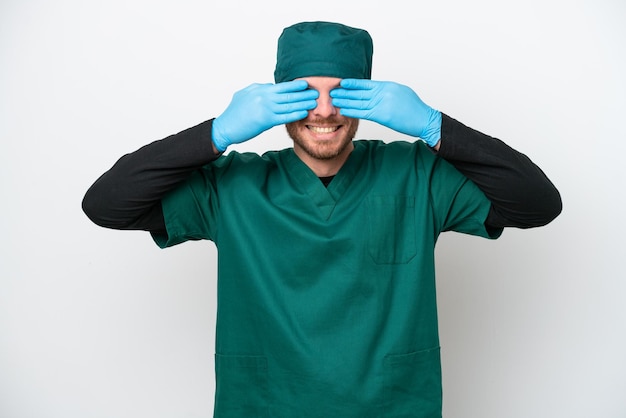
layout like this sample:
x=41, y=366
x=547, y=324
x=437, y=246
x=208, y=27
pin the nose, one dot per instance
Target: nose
x=325, y=106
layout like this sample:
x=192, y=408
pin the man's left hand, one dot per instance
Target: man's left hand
x=390, y=104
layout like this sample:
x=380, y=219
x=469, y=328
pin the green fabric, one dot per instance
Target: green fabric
x=323, y=49
x=326, y=296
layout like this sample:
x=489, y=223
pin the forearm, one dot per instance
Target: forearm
x=128, y=195
x=521, y=194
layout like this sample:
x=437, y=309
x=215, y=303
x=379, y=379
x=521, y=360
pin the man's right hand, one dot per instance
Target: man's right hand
x=260, y=107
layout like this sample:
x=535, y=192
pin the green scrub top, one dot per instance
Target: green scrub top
x=326, y=295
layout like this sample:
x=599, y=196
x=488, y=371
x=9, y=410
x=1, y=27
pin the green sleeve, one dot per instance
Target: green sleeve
x=191, y=210
x=459, y=205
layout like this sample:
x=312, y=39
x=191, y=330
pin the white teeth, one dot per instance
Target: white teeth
x=321, y=130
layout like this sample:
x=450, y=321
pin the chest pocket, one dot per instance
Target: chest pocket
x=391, y=229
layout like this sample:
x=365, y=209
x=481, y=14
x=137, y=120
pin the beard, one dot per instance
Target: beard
x=323, y=150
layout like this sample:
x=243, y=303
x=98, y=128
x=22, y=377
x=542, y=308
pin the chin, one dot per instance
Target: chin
x=319, y=149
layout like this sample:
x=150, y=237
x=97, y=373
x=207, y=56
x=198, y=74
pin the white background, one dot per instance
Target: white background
x=100, y=323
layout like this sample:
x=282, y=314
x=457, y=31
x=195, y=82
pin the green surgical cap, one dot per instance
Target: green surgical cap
x=323, y=49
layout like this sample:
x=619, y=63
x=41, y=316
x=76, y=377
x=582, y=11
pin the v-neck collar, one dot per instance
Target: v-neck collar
x=325, y=198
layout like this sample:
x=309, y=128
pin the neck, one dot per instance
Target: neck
x=325, y=167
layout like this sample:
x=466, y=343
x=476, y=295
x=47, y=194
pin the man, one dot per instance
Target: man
x=326, y=288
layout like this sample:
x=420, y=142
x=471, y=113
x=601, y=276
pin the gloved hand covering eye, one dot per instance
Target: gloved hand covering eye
x=390, y=104
x=260, y=107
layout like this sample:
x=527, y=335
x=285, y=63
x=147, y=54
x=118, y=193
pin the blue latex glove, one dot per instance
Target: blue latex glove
x=260, y=107
x=390, y=104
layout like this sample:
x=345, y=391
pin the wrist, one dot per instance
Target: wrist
x=432, y=133
x=216, y=151
x=219, y=143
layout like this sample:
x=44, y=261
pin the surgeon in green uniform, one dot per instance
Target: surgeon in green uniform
x=326, y=278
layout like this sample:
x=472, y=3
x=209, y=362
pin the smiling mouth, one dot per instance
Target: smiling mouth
x=323, y=130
